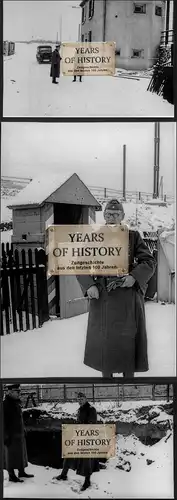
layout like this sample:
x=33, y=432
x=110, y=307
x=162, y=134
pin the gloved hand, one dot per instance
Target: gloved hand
x=116, y=283
x=93, y=292
x=128, y=282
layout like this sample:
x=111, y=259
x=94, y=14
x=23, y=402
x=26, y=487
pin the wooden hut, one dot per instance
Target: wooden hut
x=53, y=200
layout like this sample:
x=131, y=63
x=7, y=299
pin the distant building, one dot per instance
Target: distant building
x=135, y=26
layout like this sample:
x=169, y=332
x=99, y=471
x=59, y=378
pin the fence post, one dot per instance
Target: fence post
x=104, y=192
x=93, y=392
x=153, y=391
x=64, y=393
x=139, y=195
x=168, y=393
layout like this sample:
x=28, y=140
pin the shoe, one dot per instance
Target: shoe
x=15, y=479
x=85, y=485
x=61, y=477
x=74, y=80
x=24, y=474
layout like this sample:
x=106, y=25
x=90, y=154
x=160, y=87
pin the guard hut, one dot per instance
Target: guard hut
x=46, y=201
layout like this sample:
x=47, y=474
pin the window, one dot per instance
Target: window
x=90, y=36
x=82, y=38
x=158, y=11
x=137, y=53
x=118, y=52
x=91, y=8
x=139, y=8
x=83, y=14
x=24, y=236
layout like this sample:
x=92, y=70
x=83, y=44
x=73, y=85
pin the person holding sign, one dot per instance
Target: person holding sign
x=83, y=466
x=116, y=334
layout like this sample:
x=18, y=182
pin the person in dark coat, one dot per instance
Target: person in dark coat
x=55, y=64
x=15, y=452
x=116, y=339
x=83, y=466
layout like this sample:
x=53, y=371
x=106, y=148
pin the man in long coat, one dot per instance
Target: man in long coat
x=116, y=334
x=15, y=453
x=55, y=64
x=83, y=466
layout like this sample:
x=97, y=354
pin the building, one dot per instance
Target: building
x=58, y=199
x=135, y=26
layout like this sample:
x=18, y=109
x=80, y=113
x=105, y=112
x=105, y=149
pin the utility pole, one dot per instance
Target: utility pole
x=124, y=172
x=104, y=19
x=167, y=21
x=156, y=159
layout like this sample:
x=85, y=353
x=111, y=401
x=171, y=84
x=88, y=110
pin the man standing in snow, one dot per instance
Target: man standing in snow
x=116, y=334
x=14, y=436
x=83, y=466
x=55, y=64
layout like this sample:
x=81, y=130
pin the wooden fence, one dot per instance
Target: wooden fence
x=33, y=395
x=24, y=297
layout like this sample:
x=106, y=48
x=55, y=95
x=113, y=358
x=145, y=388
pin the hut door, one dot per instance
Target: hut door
x=72, y=302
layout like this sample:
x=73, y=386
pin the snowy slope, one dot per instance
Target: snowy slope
x=146, y=217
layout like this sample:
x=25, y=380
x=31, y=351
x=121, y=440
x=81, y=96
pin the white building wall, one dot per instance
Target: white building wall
x=128, y=29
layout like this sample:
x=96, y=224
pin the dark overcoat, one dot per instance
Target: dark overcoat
x=55, y=64
x=85, y=466
x=15, y=452
x=116, y=339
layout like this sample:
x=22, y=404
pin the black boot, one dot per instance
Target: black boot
x=14, y=479
x=22, y=473
x=128, y=374
x=86, y=484
x=61, y=477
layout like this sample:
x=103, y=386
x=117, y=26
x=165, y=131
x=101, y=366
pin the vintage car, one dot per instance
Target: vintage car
x=44, y=53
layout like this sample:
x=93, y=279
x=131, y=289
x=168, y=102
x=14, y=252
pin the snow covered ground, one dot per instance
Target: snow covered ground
x=28, y=91
x=57, y=349
x=142, y=481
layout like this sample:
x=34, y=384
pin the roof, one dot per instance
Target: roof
x=39, y=191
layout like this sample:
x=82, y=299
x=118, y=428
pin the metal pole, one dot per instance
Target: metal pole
x=104, y=20
x=158, y=156
x=167, y=21
x=124, y=172
x=156, y=159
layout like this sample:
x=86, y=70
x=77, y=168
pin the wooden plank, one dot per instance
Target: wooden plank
x=18, y=285
x=25, y=282
x=11, y=264
x=5, y=292
x=33, y=312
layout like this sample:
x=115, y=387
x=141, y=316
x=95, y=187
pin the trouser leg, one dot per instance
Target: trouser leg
x=65, y=467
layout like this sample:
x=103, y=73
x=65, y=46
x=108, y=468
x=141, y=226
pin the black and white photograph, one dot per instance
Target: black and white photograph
x=142, y=83
x=142, y=466
x=89, y=173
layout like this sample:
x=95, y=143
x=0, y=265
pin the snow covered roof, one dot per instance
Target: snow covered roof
x=40, y=189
